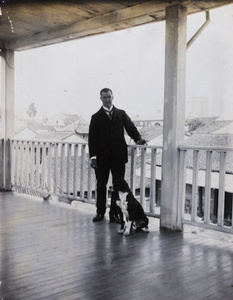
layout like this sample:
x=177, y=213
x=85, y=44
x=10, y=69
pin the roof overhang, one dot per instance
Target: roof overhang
x=30, y=24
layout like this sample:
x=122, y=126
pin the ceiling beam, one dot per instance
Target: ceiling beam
x=101, y=24
x=143, y=13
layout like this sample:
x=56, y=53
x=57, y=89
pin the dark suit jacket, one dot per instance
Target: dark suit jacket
x=106, y=137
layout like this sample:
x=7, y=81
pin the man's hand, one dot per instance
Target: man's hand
x=93, y=163
x=141, y=142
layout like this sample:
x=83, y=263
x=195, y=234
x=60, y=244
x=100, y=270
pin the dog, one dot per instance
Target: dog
x=132, y=211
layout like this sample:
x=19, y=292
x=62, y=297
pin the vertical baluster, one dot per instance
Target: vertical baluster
x=10, y=161
x=55, y=168
x=182, y=184
x=62, y=168
x=25, y=163
x=231, y=211
x=37, y=147
x=153, y=180
x=43, y=163
x=27, y=160
x=195, y=185
x=143, y=176
x=89, y=193
x=32, y=165
x=133, y=169
x=82, y=177
x=13, y=163
x=208, y=186
x=221, y=191
x=49, y=165
x=75, y=179
x=16, y=162
x=2, y=163
x=21, y=165
x=68, y=170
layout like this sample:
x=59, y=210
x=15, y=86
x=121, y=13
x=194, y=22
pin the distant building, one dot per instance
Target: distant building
x=80, y=127
x=31, y=128
x=60, y=120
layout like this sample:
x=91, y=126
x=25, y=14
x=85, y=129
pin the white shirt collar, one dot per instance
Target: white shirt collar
x=105, y=108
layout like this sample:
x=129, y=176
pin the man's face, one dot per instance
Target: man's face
x=107, y=98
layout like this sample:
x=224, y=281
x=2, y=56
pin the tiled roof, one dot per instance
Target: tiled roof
x=80, y=126
x=209, y=125
x=54, y=136
x=215, y=140
x=211, y=140
x=150, y=132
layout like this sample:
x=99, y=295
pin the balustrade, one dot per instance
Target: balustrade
x=62, y=169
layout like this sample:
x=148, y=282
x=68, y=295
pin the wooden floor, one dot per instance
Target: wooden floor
x=53, y=250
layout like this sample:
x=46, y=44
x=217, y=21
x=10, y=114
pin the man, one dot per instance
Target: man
x=108, y=149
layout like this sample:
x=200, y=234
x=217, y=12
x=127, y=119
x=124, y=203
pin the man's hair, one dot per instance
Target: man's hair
x=105, y=90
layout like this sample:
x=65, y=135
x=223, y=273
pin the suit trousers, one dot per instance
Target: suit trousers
x=102, y=175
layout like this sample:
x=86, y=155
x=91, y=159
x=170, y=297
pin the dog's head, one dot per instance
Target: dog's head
x=120, y=185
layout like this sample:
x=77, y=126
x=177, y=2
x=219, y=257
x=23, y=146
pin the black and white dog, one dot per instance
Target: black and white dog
x=132, y=211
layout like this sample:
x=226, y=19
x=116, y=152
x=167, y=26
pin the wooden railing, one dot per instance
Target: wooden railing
x=206, y=187
x=62, y=170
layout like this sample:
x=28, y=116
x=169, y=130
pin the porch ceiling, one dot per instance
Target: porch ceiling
x=30, y=24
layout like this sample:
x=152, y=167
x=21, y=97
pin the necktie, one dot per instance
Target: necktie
x=109, y=113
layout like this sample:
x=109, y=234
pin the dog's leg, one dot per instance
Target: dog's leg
x=145, y=229
x=142, y=225
x=128, y=227
x=122, y=218
x=122, y=229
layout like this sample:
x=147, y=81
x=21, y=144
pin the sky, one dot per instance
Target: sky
x=68, y=77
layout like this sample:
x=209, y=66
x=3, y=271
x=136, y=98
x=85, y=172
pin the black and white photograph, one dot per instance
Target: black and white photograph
x=116, y=150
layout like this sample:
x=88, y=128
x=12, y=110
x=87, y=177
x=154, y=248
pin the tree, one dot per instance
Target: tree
x=31, y=112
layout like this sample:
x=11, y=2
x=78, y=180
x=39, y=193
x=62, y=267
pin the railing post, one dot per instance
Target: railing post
x=143, y=173
x=1, y=164
x=181, y=186
x=89, y=188
x=32, y=165
x=208, y=186
x=55, y=190
x=195, y=185
x=133, y=168
x=49, y=165
x=68, y=170
x=75, y=177
x=153, y=181
x=83, y=159
x=7, y=167
x=62, y=168
x=221, y=191
x=43, y=166
x=7, y=113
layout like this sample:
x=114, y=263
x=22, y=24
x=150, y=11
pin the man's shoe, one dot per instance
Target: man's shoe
x=98, y=217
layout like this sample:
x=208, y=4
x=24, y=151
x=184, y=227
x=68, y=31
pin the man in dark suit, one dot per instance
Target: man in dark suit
x=108, y=149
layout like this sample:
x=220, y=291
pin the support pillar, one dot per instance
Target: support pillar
x=174, y=113
x=7, y=113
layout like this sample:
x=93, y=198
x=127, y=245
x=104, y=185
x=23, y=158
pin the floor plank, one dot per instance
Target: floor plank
x=52, y=250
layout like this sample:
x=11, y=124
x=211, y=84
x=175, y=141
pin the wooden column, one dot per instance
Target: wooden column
x=7, y=112
x=174, y=113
